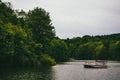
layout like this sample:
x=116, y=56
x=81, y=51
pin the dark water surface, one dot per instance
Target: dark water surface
x=66, y=71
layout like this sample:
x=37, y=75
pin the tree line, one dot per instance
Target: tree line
x=29, y=39
x=105, y=47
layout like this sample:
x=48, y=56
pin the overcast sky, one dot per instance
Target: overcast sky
x=72, y=18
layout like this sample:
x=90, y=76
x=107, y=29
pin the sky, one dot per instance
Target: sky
x=76, y=18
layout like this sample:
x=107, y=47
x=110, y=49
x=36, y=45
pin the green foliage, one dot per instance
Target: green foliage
x=101, y=52
x=95, y=47
x=114, y=50
x=11, y=42
x=85, y=51
x=59, y=50
x=24, y=37
x=39, y=22
x=46, y=60
x=7, y=14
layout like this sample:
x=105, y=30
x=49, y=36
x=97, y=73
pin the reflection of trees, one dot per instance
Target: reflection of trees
x=27, y=74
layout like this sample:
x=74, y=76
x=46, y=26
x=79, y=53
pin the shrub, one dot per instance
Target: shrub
x=46, y=60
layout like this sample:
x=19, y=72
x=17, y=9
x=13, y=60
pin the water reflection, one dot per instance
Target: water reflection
x=67, y=71
x=27, y=74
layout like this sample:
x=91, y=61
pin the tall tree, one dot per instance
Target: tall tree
x=7, y=14
x=39, y=21
x=59, y=50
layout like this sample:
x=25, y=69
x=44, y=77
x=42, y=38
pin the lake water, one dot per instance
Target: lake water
x=66, y=71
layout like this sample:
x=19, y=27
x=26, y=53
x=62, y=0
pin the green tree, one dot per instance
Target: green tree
x=86, y=51
x=39, y=22
x=114, y=50
x=59, y=50
x=101, y=52
x=12, y=42
x=46, y=60
x=7, y=14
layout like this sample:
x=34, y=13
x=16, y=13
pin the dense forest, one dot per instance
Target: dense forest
x=28, y=39
x=105, y=47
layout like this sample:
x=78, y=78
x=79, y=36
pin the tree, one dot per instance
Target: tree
x=86, y=51
x=59, y=50
x=101, y=52
x=39, y=22
x=114, y=50
x=12, y=42
x=7, y=14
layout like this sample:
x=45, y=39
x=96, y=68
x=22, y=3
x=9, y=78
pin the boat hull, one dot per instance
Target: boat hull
x=95, y=66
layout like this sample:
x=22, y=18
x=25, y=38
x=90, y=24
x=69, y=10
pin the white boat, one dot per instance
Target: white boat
x=96, y=64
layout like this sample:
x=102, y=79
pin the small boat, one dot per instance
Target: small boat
x=96, y=64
